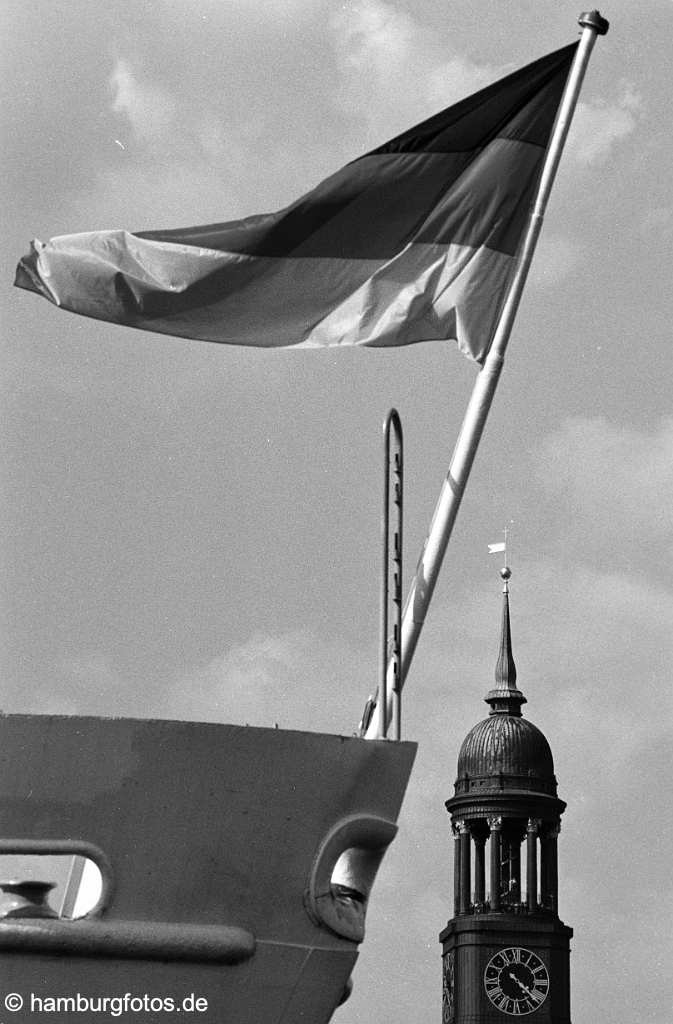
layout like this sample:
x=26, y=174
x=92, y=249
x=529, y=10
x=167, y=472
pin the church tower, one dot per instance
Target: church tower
x=506, y=953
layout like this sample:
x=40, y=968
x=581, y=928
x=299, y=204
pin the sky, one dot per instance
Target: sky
x=192, y=531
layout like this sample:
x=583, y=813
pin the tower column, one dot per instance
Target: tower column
x=495, y=825
x=504, y=866
x=531, y=863
x=465, y=867
x=549, y=868
x=456, y=871
x=515, y=867
x=479, y=869
x=553, y=868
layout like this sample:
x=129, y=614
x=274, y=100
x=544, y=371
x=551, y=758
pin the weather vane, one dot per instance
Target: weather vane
x=501, y=546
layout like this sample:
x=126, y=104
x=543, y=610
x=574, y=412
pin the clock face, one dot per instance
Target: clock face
x=516, y=981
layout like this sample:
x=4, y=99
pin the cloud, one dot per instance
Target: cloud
x=252, y=682
x=453, y=79
x=393, y=70
x=375, y=36
x=295, y=679
x=594, y=637
x=615, y=481
x=149, y=109
x=597, y=128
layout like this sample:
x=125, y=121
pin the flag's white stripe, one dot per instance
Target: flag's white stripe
x=425, y=292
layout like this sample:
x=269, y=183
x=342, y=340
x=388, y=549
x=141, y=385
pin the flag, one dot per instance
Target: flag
x=414, y=241
x=493, y=549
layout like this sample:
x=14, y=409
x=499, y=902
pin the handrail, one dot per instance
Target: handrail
x=391, y=648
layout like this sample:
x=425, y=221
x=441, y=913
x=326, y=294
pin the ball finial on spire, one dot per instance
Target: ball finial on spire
x=505, y=574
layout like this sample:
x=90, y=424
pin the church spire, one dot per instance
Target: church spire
x=505, y=950
x=505, y=698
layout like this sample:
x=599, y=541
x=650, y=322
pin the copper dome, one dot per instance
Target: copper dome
x=506, y=744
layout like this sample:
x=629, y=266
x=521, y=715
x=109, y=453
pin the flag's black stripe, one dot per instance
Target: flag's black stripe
x=373, y=207
x=387, y=201
x=494, y=111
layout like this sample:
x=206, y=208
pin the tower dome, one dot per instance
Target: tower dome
x=506, y=751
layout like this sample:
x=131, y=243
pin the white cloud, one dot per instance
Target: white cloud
x=393, y=72
x=149, y=109
x=453, y=79
x=375, y=37
x=616, y=481
x=597, y=128
x=295, y=679
x=250, y=682
x=596, y=644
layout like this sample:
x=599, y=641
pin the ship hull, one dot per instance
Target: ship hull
x=216, y=845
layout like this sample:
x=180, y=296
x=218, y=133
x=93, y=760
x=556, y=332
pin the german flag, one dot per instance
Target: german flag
x=414, y=241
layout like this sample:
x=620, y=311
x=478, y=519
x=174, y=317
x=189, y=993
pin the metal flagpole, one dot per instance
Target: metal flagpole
x=479, y=405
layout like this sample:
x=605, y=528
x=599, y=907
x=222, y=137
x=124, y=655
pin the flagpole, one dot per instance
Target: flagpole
x=430, y=561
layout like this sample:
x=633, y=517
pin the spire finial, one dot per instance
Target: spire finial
x=505, y=698
x=505, y=669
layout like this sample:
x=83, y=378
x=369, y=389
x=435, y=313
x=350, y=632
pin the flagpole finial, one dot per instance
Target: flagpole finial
x=594, y=20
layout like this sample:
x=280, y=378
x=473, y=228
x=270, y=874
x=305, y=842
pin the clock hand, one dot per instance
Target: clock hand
x=528, y=991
